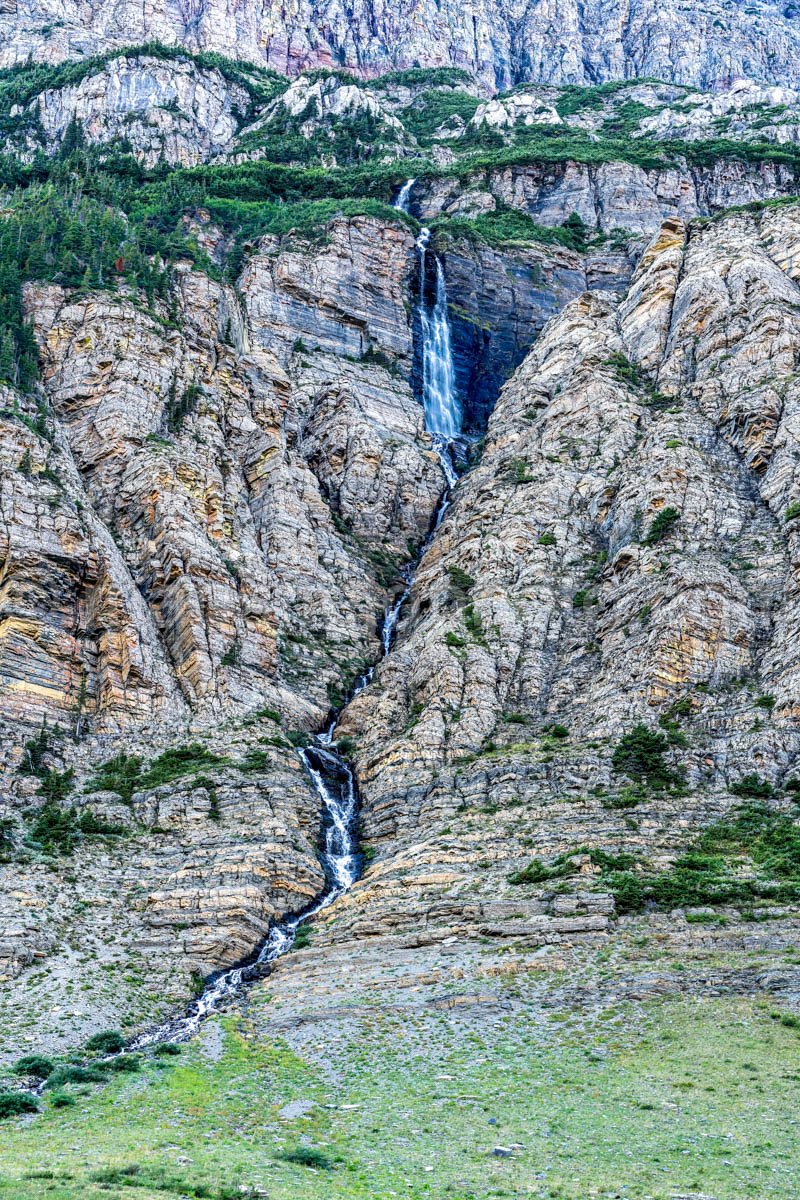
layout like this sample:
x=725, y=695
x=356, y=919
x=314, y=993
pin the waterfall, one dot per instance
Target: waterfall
x=334, y=783
x=443, y=416
x=328, y=771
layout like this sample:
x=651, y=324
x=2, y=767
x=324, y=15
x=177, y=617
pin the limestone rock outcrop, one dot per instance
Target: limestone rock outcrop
x=575, y=43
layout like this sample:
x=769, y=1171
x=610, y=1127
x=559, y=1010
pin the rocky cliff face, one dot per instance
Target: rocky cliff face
x=550, y=601
x=221, y=479
x=576, y=43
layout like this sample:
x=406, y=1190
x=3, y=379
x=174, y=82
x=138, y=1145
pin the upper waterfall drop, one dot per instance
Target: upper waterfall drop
x=443, y=415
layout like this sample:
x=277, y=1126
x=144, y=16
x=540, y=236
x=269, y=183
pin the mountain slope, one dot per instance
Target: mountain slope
x=497, y=42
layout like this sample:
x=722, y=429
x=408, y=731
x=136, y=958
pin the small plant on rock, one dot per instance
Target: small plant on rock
x=662, y=526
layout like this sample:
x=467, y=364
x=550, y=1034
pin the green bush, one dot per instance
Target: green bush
x=460, y=582
x=34, y=1064
x=166, y=1049
x=793, y=511
x=639, y=754
x=76, y=1074
x=125, y=1064
x=14, y=1104
x=62, y=1099
x=121, y=774
x=308, y=1156
x=753, y=787
x=125, y=775
x=55, y=830
x=662, y=526
x=710, y=871
x=302, y=938
x=110, y=1041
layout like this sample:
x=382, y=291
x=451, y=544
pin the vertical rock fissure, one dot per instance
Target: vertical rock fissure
x=329, y=771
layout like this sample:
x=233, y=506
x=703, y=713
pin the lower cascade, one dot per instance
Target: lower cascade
x=330, y=773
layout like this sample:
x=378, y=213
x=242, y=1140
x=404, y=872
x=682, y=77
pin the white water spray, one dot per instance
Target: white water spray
x=443, y=416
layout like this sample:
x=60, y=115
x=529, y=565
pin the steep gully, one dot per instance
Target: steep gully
x=329, y=771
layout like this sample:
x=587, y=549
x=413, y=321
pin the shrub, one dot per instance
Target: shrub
x=55, y=830
x=793, y=510
x=125, y=1064
x=110, y=1041
x=14, y=1104
x=124, y=774
x=302, y=938
x=460, y=583
x=547, y=539
x=639, y=754
x=34, y=1064
x=55, y=786
x=753, y=787
x=121, y=774
x=166, y=1049
x=627, y=798
x=62, y=1099
x=518, y=471
x=662, y=526
x=308, y=1156
x=232, y=655
x=765, y=702
x=453, y=640
x=75, y=1074
x=474, y=623
x=789, y=1020
x=710, y=872
x=34, y=750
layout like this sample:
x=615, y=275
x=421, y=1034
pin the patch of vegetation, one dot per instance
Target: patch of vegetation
x=55, y=830
x=752, y=787
x=110, y=1041
x=508, y=226
x=639, y=754
x=631, y=375
x=179, y=408
x=662, y=526
x=308, y=1156
x=420, y=77
x=518, y=472
x=73, y=1073
x=712, y=871
x=430, y=109
x=124, y=774
x=35, y=1065
x=302, y=938
x=461, y=584
x=35, y=749
x=14, y=1104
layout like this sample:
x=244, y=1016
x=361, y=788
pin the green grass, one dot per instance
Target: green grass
x=678, y=1097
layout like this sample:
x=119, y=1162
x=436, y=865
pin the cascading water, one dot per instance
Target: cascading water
x=443, y=415
x=333, y=780
x=329, y=772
